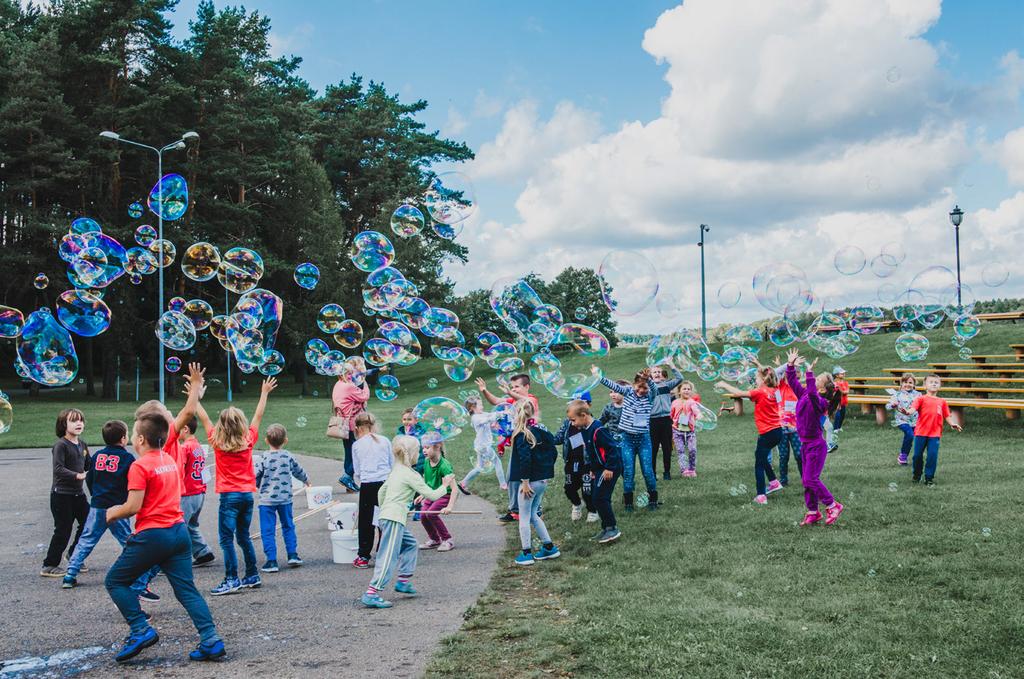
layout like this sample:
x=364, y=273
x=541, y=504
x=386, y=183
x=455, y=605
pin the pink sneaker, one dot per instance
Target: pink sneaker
x=690, y=473
x=832, y=513
x=774, y=486
x=811, y=518
x=761, y=499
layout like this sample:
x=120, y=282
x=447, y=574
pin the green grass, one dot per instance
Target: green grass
x=907, y=585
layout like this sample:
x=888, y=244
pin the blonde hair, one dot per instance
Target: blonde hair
x=151, y=407
x=368, y=421
x=524, y=413
x=405, y=449
x=231, y=432
x=578, y=407
x=768, y=376
x=677, y=392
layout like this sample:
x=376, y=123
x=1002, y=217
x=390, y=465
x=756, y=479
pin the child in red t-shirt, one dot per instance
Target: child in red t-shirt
x=768, y=421
x=193, y=492
x=233, y=439
x=932, y=412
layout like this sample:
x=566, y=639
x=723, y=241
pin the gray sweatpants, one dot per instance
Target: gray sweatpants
x=191, y=505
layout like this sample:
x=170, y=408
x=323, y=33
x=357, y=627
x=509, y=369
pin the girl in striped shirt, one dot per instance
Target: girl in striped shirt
x=634, y=426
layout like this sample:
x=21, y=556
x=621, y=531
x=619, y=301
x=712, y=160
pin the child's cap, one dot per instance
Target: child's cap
x=581, y=395
x=838, y=370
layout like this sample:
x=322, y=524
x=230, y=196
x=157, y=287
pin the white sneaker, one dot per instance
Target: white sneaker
x=446, y=546
x=577, y=512
x=430, y=544
x=592, y=517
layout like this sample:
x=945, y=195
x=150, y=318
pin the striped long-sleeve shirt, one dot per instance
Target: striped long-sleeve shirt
x=636, y=409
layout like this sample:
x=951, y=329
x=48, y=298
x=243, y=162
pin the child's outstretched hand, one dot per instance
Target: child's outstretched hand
x=269, y=385
x=481, y=384
x=195, y=374
x=188, y=389
x=793, y=357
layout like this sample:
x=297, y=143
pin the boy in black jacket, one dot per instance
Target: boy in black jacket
x=577, y=475
x=605, y=463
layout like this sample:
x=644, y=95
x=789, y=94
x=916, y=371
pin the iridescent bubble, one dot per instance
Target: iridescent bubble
x=46, y=353
x=387, y=388
x=135, y=211
x=176, y=304
x=706, y=419
x=894, y=251
x=783, y=288
x=164, y=252
x=378, y=351
x=41, y=281
x=893, y=487
x=967, y=327
x=995, y=274
x=883, y=266
x=743, y=336
x=888, y=293
x=202, y=261
x=172, y=364
x=496, y=353
x=407, y=347
x=457, y=372
x=866, y=320
x=440, y=322
x=245, y=320
x=135, y=279
x=169, y=197
x=175, y=331
x=629, y=282
x=70, y=245
x=6, y=414
x=199, y=312
x=514, y=364
x=441, y=418
x=371, y=250
x=85, y=225
x=307, y=275
x=407, y=221
x=782, y=332
x=349, y=334
x=301, y=421
x=11, y=322
x=642, y=500
x=273, y=363
x=445, y=347
x=447, y=231
x=965, y=353
x=332, y=363
x=145, y=235
x=90, y=265
x=709, y=366
x=268, y=309
x=83, y=313
x=330, y=318
x=729, y=295
x=315, y=350
x=139, y=262
x=431, y=383
x=667, y=304
x=849, y=260
x=450, y=198
x=240, y=270
x=911, y=347
x=580, y=314
x=580, y=339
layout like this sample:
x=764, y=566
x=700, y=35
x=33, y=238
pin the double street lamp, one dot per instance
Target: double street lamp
x=175, y=145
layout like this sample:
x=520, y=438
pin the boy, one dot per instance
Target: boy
x=612, y=412
x=274, y=472
x=577, y=474
x=603, y=458
x=410, y=427
x=107, y=479
x=843, y=387
x=160, y=539
x=518, y=390
x=68, y=502
x=931, y=411
x=193, y=493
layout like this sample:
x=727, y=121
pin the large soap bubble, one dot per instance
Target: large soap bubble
x=371, y=250
x=175, y=331
x=83, y=313
x=164, y=252
x=387, y=388
x=995, y=274
x=967, y=327
x=268, y=309
x=407, y=221
x=783, y=288
x=199, y=312
x=849, y=260
x=85, y=225
x=169, y=197
x=11, y=322
x=307, y=275
x=201, y=261
x=441, y=419
x=145, y=235
x=629, y=282
x=911, y=347
x=46, y=353
x=450, y=198
x=273, y=363
x=729, y=295
x=330, y=318
x=349, y=334
x=240, y=270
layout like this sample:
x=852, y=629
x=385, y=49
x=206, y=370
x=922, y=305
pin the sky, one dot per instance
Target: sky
x=795, y=129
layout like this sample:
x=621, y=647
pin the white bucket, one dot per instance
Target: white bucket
x=344, y=546
x=318, y=496
x=343, y=516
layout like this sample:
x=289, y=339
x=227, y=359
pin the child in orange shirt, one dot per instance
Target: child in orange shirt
x=932, y=412
x=843, y=387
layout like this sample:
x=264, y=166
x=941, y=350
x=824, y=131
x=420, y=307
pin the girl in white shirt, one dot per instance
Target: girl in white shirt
x=371, y=463
x=483, y=444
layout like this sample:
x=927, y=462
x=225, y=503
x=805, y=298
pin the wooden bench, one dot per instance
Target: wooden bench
x=1019, y=350
x=964, y=373
x=957, y=406
x=982, y=358
x=1012, y=316
x=973, y=365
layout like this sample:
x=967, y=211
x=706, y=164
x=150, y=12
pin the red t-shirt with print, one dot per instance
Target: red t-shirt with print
x=234, y=472
x=193, y=461
x=766, y=409
x=156, y=473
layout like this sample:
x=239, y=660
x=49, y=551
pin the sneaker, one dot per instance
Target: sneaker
x=350, y=485
x=515, y=515
x=251, y=581
x=405, y=588
x=416, y=516
x=208, y=650
x=294, y=561
x=204, y=560
x=507, y=518
x=609, y=535
x=270, y=567
x=902, y=459
x=593, y=517
x=666, y=476
x=52, y=572
x=761, y=499
x=524, y=559
x=136, y=643
x=82, y=569
x=375, y=601
x=832, y=513
x=546, y=553
x=916, y=478
x=462, y=489
x=811, y=518
x=149, y=595
x=628, y=508
x=360, y=562
x=430, y=544
x=229, y=586
x=68, y=582
x=774, y=487
x=577, y=512
x=689, y=473
x=446, y=546
x=653, y=506
x=929, y=481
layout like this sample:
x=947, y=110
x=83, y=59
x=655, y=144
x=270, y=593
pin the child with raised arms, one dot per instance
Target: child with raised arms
x=483, y=444
x=768, y=421
x=635, y=440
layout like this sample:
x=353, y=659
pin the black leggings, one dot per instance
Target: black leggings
x=66, y=510
x=661, y=435
x=367, y=501
x=574, y=485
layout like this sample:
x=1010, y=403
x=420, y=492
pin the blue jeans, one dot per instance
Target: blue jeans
x=932, y=444
x=762, y=464
x=529, y=515
x=95, y=526
x=234, y=517
x=346, y=478
x=638, y=445
x=191, y=505
x=170, y=549
x=908, y=439
x=268, y=530
x=789, y=440
x=840, y=416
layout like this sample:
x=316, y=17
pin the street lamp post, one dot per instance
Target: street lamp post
x=173, y=146
x=957, y=216
x=704, y=228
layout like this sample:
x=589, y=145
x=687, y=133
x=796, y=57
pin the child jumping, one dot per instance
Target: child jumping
x=684, y=414
x=533, y=463
x=371, y=464
x=636, y=436
x=483, y=444
x=438, y=473
x=790, y=440
x=769, y=428
x=904, y=418
x=932, y=412
x=68, y=503
x=605, y=463
x=274, y=472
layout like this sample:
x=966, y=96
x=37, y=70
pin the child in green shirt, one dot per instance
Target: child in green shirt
x=437, y=471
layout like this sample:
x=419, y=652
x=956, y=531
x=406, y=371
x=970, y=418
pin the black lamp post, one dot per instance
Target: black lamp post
x=957, y=216
x=704, y=228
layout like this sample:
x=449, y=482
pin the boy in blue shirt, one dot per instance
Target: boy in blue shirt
x=603, y=458
x=274, y=473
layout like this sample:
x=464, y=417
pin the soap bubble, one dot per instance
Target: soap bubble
x=307, y=275
x=199, y=312
x=273, y=363
x=330, y=318
x=450, y=198
x=783, y=288
x=83, y=313
x=866, y=320
x=743, y=336
x=629, y=282
x=11, y=322
x=580, y=314
x=135, y=211
x=371, y=250
x=6, y=414
x=145, y=235
x=986, y=532
x=41, y=281
x=135, y=279
x=883, y=266
x=580, y=339
x=315, y=350
x=965, y=353
x=169, y=197
x=893, y=487
x=46, y=353
x=173, y=364
x=240, y=270
x=995, y=274
x=667, y=304
x=967, y=327
x=911, y=347
x=268, y=309
x=706, y=419
x=85, y=225
x=642, y=500
x=164, y=252
x=447, y=231
x=301, y=421
x=849, y=260
x=407, y=221
x=175, y=331
x=729, y=295
x=440, y=322
x=441, y=418
x=431, y=383
x=176, y=304
x=139, y=262
x=90, y=265
x=349, y=334
x=709, y=366
x=201, y=261
x=387, y=388
x=332, y=363
x=894, y=251
x=517, y=304
x=782, y=332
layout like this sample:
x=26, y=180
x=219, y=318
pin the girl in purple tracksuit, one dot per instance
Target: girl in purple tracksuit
x=810, y=407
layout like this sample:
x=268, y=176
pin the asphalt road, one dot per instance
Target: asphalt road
x=303, y=622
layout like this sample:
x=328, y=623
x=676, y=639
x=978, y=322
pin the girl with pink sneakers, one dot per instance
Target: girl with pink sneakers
x=768, y=421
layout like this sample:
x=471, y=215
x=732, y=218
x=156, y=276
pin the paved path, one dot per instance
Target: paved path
x=303, y=622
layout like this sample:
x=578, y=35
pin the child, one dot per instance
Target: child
x=410, y=427
x=483, y=444
x=612, y=412
x=193, y=494
x=232, y=440
x=68, y=503
x=769, y=428
x=605, y=463
x=274, y=473
x=790, y=438
x=931, y=411
x=577, y=474
x=437, y=472
x=636, y=436
x=810, y=407
x=518, y=391
x=904, y=418
x=533, y=463
x=661, y=416
x=684, y=414
x=107, y=479
x=349, y=398
x=371, y=463
x=398, y=549
x=843, y=387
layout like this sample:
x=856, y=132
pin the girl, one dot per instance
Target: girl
x=437, y=472
x=636, y=436
x=349, y=398
x=661, y=416
x=233, y=439
x=371, y=464
x=810, y=407
x=68, y=503
x=904, y=418
x=533, y=463
x=410, y=427
x=769, y=428
x=483, y=444
x=397, y=549
x=790, y=439
x=684, y=414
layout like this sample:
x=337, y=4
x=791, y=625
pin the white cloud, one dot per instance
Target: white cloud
x=1010, y=153
x=281, y=44
x=455, y=124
